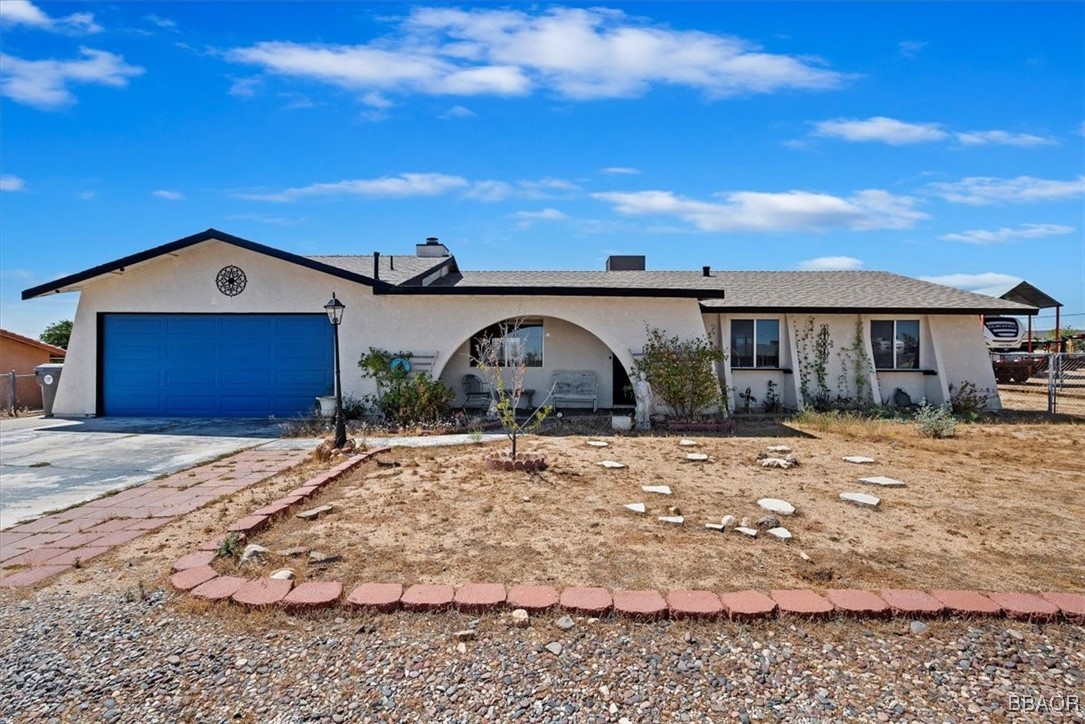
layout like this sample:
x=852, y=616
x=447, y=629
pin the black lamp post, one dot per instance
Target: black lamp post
x=335, y=308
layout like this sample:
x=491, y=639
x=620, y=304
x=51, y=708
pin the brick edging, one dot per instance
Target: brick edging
x=191, y=575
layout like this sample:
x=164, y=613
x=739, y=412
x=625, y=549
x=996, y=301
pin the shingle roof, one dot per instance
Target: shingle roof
x=51, y=349
x=393, y=269
x=672, y=280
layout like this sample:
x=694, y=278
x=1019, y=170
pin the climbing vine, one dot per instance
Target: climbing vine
x=813, y=348
x=855, y=368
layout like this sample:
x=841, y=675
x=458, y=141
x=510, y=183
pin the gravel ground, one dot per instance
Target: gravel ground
x=103, y=657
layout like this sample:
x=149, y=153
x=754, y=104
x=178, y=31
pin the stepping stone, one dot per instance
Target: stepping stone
x=910, y=602
x=690, y=604
x=781, y=533
x=314, y=513
x=882, y=481
x=747, y=605
x=189, y=578
x=752, y=532
x=715, y=526
x=801, y=602
x=612, y=464
x=427, y=597
x=532, y=598
x=688, y=443
x=262, y=592
x=218, y=589
x=672, y=519
x=862, y=499
x=313, y=595
x=249, y=524
x=696, y=457
x=660, y=489
x=192, y=560
x=858, y=603
x=1072, y=605
x=478, y=597
x=383, y=597
x=589, y=601
x=779, y=448
x=598, y=443
x=775, y=505
x=858, y=459
x=636, y=507
x=967, y=603
x=640, y=605
x=777, y=463
x=1025, y=606
x=31, y=576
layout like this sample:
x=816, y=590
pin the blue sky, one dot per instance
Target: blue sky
x=936, y=140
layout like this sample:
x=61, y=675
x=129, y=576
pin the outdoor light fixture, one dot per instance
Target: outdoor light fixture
x=335, y=308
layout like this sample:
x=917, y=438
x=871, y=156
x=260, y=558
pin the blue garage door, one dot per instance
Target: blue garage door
x=214, y=365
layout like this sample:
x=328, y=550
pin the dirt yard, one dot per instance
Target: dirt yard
x=998, y=507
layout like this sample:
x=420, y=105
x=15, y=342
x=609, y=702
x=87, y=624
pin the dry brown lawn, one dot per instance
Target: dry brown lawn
x=1000, y=506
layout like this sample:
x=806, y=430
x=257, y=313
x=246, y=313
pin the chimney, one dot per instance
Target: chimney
x=625, y=263
x=376, y=265
x=432, y=248
x=706, y=270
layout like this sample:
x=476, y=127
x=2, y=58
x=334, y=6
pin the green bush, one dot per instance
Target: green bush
x=405, y=399
x=682, y=373
x=967, y=399
x=934, y=421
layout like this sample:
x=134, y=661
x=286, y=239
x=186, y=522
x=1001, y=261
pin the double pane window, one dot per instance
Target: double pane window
x=895, y=344
x=755, y=343
x=510, y=345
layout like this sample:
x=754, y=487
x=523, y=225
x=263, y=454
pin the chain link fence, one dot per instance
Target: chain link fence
x=1066, y=383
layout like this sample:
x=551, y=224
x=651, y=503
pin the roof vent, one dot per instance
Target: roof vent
x=376, y=265
x=432, y=248
x=625, y=263
x=706, y=271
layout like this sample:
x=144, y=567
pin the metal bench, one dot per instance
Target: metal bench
x=574, y=386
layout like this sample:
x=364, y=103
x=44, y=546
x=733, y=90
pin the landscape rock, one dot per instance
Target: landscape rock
x=252, y=552
x=314, y=513
x=715, y=526
x=296, y=552
x=882, y=481
x=696, y=457
x=862, y=499
x=751, y=532
x=775, y=505
x=745, y=521
x=598, y=443
x=565, y=623
x=672, y=519
x=467, y=634
x=554, y=647
x=520, y=618
x=320, y=559
x=636, y=507
x=612, y=464
x=658, y=489
x=687, y=443
x=728, y=521
x=858, y=459
x=781, y=533
x=283, y=574
x=779, y=449
x=767, y=521
x=785, y=463
x=918, y=628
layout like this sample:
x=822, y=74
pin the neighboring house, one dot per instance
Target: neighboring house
x=21, y=355
x=216, y=325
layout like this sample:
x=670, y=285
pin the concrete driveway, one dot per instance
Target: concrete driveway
x=47, y=464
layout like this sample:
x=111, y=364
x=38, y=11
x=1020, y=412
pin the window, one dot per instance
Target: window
x=755, y=343
x=512, y=342
x=895, y=344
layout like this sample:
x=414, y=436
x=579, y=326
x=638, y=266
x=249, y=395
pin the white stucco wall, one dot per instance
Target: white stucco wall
x=962, y=354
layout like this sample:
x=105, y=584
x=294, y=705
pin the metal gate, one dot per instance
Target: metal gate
x=1065, y=381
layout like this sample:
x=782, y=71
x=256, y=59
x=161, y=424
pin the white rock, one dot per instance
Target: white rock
x=688, y=443
x=784, y=463
x=598, y=443
x=520, y=618
x=461, y=647
x=728, y=521
x=715, y=526
x=804, y=556
x=858, y=459
x=882, y=481
x=861, y=499
x=779, y=448
x=697, y=457
x=314, y=513
x=775, y=505
x=612, y=464
x=565, y=623
x=672, y=519
x=283, y=574
x=781, y=533
x=659, y=489
x=746, y=522
x=554, y=647
x=252, y=551
x=636, y=507
x=752, y=532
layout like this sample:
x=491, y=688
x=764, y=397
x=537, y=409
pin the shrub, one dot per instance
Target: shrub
x=402, y=398
x=682, y=373
x=967, y=399
x=934, y=421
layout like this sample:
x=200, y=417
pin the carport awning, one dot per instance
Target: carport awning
x=1023, y=293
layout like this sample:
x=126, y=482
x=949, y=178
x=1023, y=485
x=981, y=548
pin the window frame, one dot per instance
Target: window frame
x=893, y=346
x=755, y=366
x=495, y=331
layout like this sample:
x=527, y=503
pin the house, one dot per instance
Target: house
x=21, y=355
x=216, y=325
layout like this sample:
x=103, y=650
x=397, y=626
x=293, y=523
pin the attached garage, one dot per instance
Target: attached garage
x=213, y=365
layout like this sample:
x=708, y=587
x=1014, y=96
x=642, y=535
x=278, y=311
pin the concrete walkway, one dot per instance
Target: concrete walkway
x=47, y=464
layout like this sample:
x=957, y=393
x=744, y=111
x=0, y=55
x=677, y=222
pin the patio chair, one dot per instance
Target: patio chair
x=476, y=392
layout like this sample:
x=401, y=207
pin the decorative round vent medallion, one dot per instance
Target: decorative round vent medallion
x=231, y=280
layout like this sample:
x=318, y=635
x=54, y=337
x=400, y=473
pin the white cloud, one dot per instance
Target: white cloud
x=831, y=263
x=373, y=99
x=23, y=12
x=489, y=190
x=43, y=84
x=880, y=129
x=787, y=211
x=168, y=195
x=457, y=111
x=160, y=21
x=619, y=171
x=244, y=87
x=972, y=282
x=546, y=214
x=11, y=183
x=86, y=195
x=911, y=48
x=1004, y=138
x=402, y=186
x=575, y=53
x=987, y=190
x=544, y=188
x=1024, y=231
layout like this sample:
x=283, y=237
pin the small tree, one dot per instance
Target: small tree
x=682, y=373
x=503, y=362
x=58, y=333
